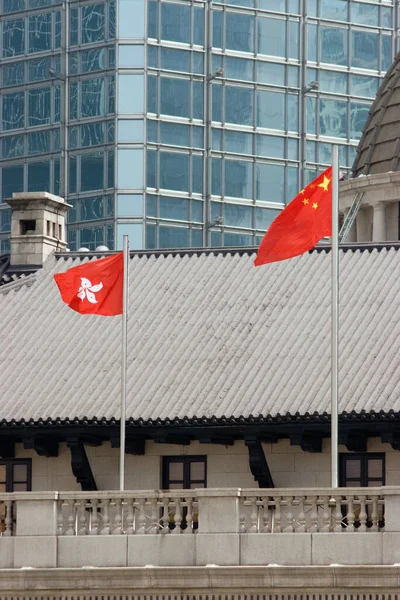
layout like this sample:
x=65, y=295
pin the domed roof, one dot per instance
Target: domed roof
x=379, y=147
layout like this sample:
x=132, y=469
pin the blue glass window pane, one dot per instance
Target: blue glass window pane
x=40, y=33
x=239, y=105
x=174, y=171
x=175, y=95
x=56, y=177
x=197, y=238
x=279, y=5
x=292, y=182
x=130, y=130
x=91, y=237
x=152, y=94
x=331, y=81
x=293, y=149
x=131, y=93
x=333, y=118
x=236, y=239
x=13, y=73
x=198, y=62
x=248, y=3
x=217, y=29
x=364, y=14
x=39, y=142
x=174, y=237
x=131, y=56
x=175, y=60
x=174, y=208
x=216, y=102
x=365, y=52
x=12, y=181
x=216, y=176
x=38, y=3
x=151, y=169
x=12, y=146
x=334, y=45
x=293, y=112
x=238, y=179
x=236, y=141
x=175, y=22
x=38, y=69
x=293, y=76
x=198, y=26
x=197, y=211
x=13, y=5
x=270, y=183
x=311, y=111
x=39, y=106
x=13, y=110
x=5, y=220
x=239, y=31
x=151, y=206
x=73, y=101
x=269, y=145
x=92, y=97
x=152, y=56
x=216, y=139
x=111, y=132
x=151, y=237
x=74, y=22
x=337, y=10
x=197, y=137
x=92, y=172
x=239, y=68
x=363, y=86
x=111, y=93
x=197, y=174
x=270, y=110
x=312, y=41
x=72, y=171
x=386, y=17
x=237, y=215
x=93, y=60
x=386, y=45
x=93, y=21
x=271, y=35
x=130, y=168
x=197, y=100
x=216, y=239
x=131, y=18
x=174, y=134
x=92, y=134
x=216, y=211
x=358, y=117
x=270, y=73
x=293, y=39
x=152, y=131
x=39, y=177
x=73, y=137
x=92, y=208
x=13, y=37
x=264, y=217
x=111, y=20
x=152, y=19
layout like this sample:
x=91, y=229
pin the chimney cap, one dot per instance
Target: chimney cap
x=20, y=199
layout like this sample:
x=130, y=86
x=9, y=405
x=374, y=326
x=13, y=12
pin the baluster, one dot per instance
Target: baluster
x=129, y=517
x=8, y=521
x=94, y=524
x=82, y=528
x=289, y=515
x=301, y=527
x=189, y=516
x=105, y=517
x=118, y=517
x=350, y=514
x=363, y=514
x=165, y=517
x=313, y=515
x=153, y=516
x=277, y=524
x=326, y=516
x=177, y=516
x=253, y=516
x=71, y=518
x=338, y=515
x=266, y=525
x=374, y=514
x=60, y=518
x=242, y=516
x=142, y=517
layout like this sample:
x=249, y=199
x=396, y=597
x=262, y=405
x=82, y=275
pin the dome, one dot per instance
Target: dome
x=379, y=147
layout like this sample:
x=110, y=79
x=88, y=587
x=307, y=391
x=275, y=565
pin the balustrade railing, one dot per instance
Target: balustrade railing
x=117, y=513
x=7, y=515
x=311, y=511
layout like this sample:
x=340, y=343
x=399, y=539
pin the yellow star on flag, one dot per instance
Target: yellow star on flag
x=325, y=184
x=315, y=205
x=305, y=201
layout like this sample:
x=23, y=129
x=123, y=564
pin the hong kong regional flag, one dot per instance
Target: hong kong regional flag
x=94, y=288
x=304, y=221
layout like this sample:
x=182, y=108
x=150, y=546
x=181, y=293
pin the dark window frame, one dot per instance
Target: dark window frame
x=9, y=464
x=187, y=460
x=363, y=457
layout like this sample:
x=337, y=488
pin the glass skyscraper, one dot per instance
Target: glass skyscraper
x=182, y=123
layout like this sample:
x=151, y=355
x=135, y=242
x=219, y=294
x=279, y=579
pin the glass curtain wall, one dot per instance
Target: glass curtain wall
x=190, y=122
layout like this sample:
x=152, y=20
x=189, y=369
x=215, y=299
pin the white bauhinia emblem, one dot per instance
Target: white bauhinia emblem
x=87, y=290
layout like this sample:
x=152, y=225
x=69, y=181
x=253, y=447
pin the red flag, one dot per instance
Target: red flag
x=304, y=221
x=94, y=288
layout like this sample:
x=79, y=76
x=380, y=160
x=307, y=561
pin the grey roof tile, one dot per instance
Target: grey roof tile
x=209, y=335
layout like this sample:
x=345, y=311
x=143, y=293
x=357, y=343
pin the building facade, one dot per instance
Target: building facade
x=183, y=124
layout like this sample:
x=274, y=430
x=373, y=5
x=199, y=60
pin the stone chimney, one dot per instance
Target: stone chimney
x=37, y=227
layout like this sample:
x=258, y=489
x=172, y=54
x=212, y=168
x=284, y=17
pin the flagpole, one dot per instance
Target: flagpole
x=124, y=362
x=335, y=316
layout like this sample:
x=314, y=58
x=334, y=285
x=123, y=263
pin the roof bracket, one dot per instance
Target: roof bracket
x=132, y=445
x=309, y=442
x=43, y=446
x=7, y=448
x=258, y=463
x=355, y=441
x=81, y=466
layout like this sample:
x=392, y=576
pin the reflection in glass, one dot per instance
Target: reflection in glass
x=197, y=174
x=93, y=23
x=12, y=181
x=198, y=26
x=239, y=105
x=39, y=177
x=174, y=134
x=175, y=94
x=239, y=142
x=238, y=178
x=38, y=69
x=39, y=142
x=270, y=182
x=173, y=237
x=92, y=97
x=12, y=146
x=39, y=106
x=13, y=73
x=364, y=14
x=40, y=32
x=331, y=81
x=175, y=60
x=174, y=208
x=239, y=32
x=93, y=60
x=217, y=29
x=92, y=171
x=269, y=145
x=13, y=5
x=270, y=73
x=151, y=169
x=365, y=49
x=152, y=19
x=13, y=110
x=334, y=45
x=333, y=118
x=92, y=208
x=175, y=22
x=271, y=36
x=239, y=68
x=358, y=116
x=264, y=217
x=237, y=215
x=174, y=171
x=337, y=10
x=270, y=109
x=92, y=134
x=361, y=85
x=236, y=239
x=13, y=37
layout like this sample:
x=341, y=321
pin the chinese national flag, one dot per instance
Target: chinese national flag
x=304, y=221
x=94, y=288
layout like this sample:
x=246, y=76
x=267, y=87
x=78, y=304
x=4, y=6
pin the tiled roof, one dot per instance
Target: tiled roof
x=209, y=335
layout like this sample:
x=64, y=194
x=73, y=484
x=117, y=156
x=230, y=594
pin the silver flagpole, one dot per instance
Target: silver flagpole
x=124, y=363
x=335, y=316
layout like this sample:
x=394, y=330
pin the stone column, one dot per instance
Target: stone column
x=379, y=223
